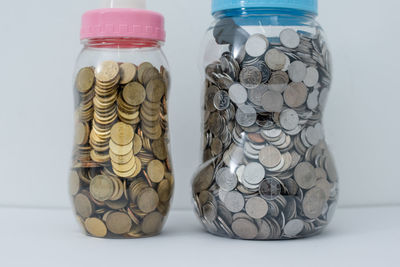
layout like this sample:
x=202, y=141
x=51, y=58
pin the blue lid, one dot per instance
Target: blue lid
x=304, y=5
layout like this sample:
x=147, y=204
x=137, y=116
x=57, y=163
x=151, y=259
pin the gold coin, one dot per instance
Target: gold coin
x=127, y=174
x=155, y=90
x=83, y=205
x=85, y=80
x=134, y=94
x=117, y=204
x=147, y=200
x=150, y=74
x=137, y=144
x=119, y=223
x=138, y=167
x=124, y=167
x=102, y=188
x=81, y=133
x=152, y=223
x=128, y=73
x=159, y=149
x=164, y=190
x=142, y=68
x=120, y=150
x=122, y=134
x=107, y=71
x=96, y=227
x=74, y=183
x=99, y=157
x=156, y=171
x=121, y=159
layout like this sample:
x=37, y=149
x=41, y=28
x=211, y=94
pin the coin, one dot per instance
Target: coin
x=244, y=229
x=148, y=200
x=270, y=189
x=74, y=183
x=275, y=59
x=122, y=134
x=305, y=175
x=272, y=101
x=312, y=77
x=85, y=80
x=95, y=227
x=107, y=71
x=128, y=72
x=234, y=201
x=156, y=171
x=297, y=71
x=278, y=81
x=289, y=38
x=226, y=180
x=83, y=205
x=313, y=202
x=155, y=90
x=293, y=228
x=101, y=188
x=270, y=156
x=246, y=115
x=295, y=95
x=134, y=93
x=118, y=223
x=250, y=77
x=221, y=100
x=256, y=45
x=256, y=207
x=152, y=223
x=238, y=94
x=253, y=173
x=289, y=119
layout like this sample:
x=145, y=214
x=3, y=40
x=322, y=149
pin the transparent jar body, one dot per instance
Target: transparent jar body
x=121, y=179
x=267, y=172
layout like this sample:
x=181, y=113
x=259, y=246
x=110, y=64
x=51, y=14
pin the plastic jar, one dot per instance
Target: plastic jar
x=121, y=179
x=267, y=171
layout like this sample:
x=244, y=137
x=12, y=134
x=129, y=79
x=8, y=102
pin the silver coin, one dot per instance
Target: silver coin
x=250, y=77
x=253, y=173
x=313, y=202
x=305, y=175
x=312, y=100
x=289, y=119
x=312, y=77
x=237, y=94
x=210, y=94
x=221, y=100
x=278, y=81
x=256, y=45
x=246, y=116
x=225, y=179
x=297, y=71
x=275, y=59
x=295, y=95
x=293, y=228
x=270, y=157
x=234, y=201
x=245, y=229
x=256, y=207
x=270, y=189
x=264, y=230
x=272, y=101
x=255, y=95
x=289, y=38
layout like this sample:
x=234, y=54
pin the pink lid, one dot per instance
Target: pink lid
x=123, y=22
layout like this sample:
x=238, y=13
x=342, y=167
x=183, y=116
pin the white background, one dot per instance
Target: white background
x=39, y=44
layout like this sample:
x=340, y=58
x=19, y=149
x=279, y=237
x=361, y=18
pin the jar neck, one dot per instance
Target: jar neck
x=266, y=12
x=121, y=43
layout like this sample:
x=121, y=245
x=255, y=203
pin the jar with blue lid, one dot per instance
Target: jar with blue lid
x=267, y=172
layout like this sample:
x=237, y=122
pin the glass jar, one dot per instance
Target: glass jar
x=267, y=172
x=121, y=179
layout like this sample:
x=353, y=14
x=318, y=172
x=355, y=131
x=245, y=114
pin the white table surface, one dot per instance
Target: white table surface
x=40, y=237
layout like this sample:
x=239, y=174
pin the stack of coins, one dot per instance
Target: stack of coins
x=267, y=171
x=121, y=181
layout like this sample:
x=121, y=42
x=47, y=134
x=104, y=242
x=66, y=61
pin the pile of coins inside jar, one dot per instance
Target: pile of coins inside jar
x=268, y=173
x=121, y=180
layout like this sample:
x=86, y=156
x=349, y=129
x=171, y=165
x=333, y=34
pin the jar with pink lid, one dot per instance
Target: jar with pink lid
x=121, y=179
